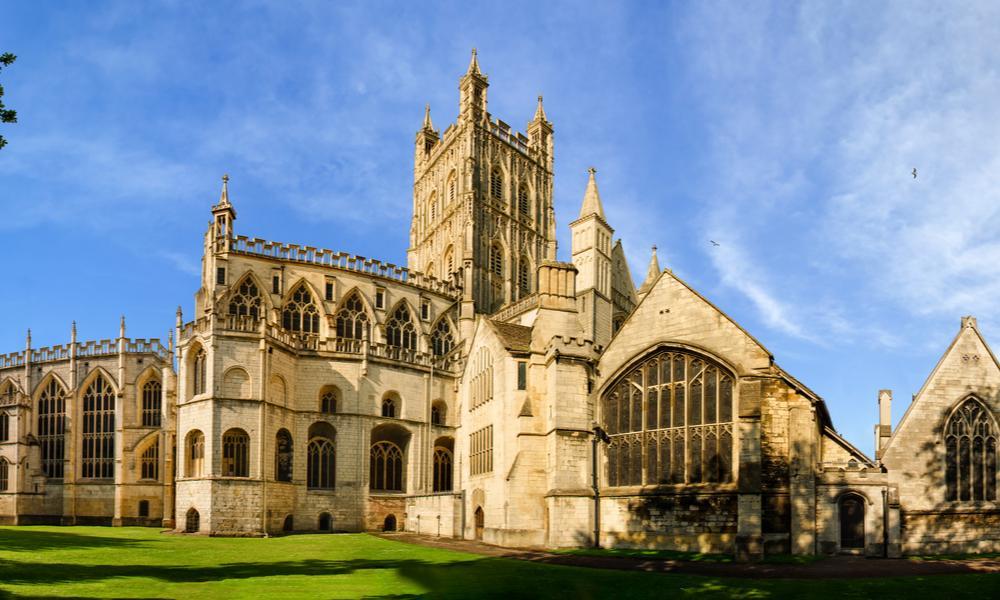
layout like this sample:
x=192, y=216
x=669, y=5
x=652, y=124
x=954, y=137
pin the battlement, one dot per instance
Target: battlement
x=341, y=260
x=86, y=349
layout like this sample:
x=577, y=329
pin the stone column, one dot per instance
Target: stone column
x=802, y=479
x=749, y=535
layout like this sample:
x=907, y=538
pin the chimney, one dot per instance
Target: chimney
x=884, y=428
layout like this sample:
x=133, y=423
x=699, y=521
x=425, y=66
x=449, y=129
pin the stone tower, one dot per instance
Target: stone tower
x=591, y=248
x=482, y=201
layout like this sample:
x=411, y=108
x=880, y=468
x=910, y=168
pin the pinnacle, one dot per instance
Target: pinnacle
x=651, y=273
x=540, y=111
x=428, y=125
x=592, y=198
x=474, y=65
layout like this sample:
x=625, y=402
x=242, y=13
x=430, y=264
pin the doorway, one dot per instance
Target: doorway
x=852, y=522
x=480, y=518
x=389, y=524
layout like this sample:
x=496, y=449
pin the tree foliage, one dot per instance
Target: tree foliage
x=6, y=115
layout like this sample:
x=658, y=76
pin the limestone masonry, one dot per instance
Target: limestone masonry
x=466, y=395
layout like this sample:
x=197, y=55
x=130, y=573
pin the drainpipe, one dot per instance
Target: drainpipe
x=885, y=523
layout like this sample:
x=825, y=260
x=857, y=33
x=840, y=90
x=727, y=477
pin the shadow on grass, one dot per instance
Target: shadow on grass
x=32, y=540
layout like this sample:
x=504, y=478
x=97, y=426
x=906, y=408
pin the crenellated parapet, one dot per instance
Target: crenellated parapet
x=86, y=349
x=577, y=347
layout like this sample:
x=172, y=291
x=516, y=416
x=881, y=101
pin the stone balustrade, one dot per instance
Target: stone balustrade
x=88, y=349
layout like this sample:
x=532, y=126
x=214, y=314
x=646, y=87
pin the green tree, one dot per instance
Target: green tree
x=6, y=115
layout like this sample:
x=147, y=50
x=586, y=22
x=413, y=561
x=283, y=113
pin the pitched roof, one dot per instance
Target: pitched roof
x=516, y=338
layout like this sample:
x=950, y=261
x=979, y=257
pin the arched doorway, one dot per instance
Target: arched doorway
x=480, y=518
x=325, y=522
x=390, y=523
x=289, y=524
x=852, y=522
x=193, y=521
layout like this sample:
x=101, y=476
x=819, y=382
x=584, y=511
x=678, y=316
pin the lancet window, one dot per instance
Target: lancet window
x=283, y=456
x=523, y=277
x=523, y=206
x=496, y=184
x=52, y=428
x=399, y=330
x=149, y=462
x=441, y=338
x=352, y=320
x=442, y=469
x=246, y=301
x=321, y=464
x=99, y=430
x=670, y=421
x=236, y=453
x=386, y=465
x=971, y=454
x=300, y=312
x=151, y=398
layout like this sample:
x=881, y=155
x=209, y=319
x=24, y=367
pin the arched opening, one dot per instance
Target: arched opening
x=443, y=464
x=300, y=313
x=391, y=405
x=390, y=523
x=289, y=524
x=52, y=428
x=98, y=439
x=235, y=453
x=441, y=338
x=438, y=411
x=352, y=319
x=283, y=456
x=143, y=508
x=193, y=521
x=195, y=446
x=971, y=453
x=152, y=393
x=329, y=398
x=480, y=520
x=325, y=522
x=399, y=330
x=321, y=463
x=198, y=367
x=852, y=522
x=387, y=459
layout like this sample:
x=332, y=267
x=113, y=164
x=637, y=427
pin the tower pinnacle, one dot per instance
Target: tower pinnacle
x=651, y=273
x=540, y=111
x=592, y=198
x=224, y=197
x=428, y=125
x=473, y=65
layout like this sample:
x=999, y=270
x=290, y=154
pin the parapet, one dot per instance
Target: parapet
x=557, y=285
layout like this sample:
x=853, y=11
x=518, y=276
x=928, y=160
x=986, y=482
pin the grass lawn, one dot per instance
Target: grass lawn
x=142, y=563
x=781, y=559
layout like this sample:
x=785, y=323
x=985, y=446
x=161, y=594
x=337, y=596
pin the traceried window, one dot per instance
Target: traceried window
x=449, y=262
x=246, y=301
x=437, y=418
x=151, y=398
x=300, y=312
x=283, y=456
x=149, y=462
x=328, y=400
x=399, y=330
x=4, y=475
x=4, y=426
x=389, y=408
x=195, y=454
x=236, y=453
x=523, y=277
x=352, y=320
x=321, y=468
x=98, y=430
x=200, y=364
x=433, y=208
x=8, y=394
x=496, y=184
x=481, y=451
x=670, y=421
x=442, y=469
x=481, y=384
x=496, y=260
x=441, y=338
x=52, y=428
x=523, y=206
x=452, y=184
x=971, y=453
x=386, y=467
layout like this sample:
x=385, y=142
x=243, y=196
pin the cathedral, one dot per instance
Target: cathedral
x=485, y=391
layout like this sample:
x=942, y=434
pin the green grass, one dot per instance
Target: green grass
x=778, y=559
x=142, y=563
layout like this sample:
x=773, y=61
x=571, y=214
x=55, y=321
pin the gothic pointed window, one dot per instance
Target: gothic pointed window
x=452, y=185
x=235, y=453
x=151, y=399
x=300, y=313
x=283, y=456
x=390, y=406
x=496, y=185
x=386, y=467
x=199, y=365
x=971, y=454
x=195, y=448
x=321, y=467
x=449, y=262
x=523, y=205
x=523, y=277
x=442, y=469
x=4, y=426
x=98, y=452
x=352, y=320
x=441, y=339
x=52, y=428
x=4, y=475
x=399, y=330
x=328, y=400
x=149, y=462
x=433, y=208
x=246, y=301
x=496, y=277
x=670, y=421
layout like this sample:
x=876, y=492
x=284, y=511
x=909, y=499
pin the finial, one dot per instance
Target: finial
x=474, y=64
x=654, y=248
x=592, y=171
x=180, y=317
x=121, y=327
x=224, y=198
x=540, y=110
x=73, y=331
x=29, y=337
x=428, y=125
x=170, y=340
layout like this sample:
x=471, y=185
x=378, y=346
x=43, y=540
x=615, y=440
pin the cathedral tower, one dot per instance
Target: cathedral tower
x=482, y=201
x=591, y=248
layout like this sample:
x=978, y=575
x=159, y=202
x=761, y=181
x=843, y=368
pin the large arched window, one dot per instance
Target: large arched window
x=441, y=338
x=149, y=462
x=386, y=467
x=283, y=455
x=151, y=398
x=98, y=452
x=352, y=320
x=971, y=453
x=670, y=421
x=52, y=428
x=195, y=446
x=442, y=469
x=235, y=453
x=199, y=365
x=246, y=301
x=300, y=312
x=399, y=330
x=496, y=184
x=322, y=465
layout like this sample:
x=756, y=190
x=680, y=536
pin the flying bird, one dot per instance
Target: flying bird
x=914, y=172
x=714, y=243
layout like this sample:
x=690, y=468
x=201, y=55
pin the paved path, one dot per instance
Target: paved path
x=835, y=567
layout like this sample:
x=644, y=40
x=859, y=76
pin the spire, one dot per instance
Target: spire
x=224, y=198
x=28, y=340
x=473, y=65
x=428, y=125
x=121, y=327
x=591, y=198
x=540, y=111
x=651, y=273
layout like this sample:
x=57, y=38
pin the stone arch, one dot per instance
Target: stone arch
x=299, y=318
x=439, y=412
x=385, y=475
x=277, y=390
x=284, y=455
x=325, y=522
x=349, y=322
x=237, y=383
x=970, y=436
x=94, y=374
x=196, y=364
x=413, y=318
x=192, y=521
x=851, y=516
x=194, y=453
x=645, y=353
x=266, y=305
x=391, y=405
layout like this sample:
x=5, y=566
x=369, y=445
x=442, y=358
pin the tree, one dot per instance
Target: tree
x=6, y=115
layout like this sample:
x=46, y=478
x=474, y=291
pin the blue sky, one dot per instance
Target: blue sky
x=785, y=132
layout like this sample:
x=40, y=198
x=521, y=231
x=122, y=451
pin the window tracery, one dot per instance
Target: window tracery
x=523, y=277
x=399, y=330
x=670, y=421
x=98, y=452
x=246, y=302
x=321, y=468
x=971, y=454
x=200, y=364
x=328, y=400
x=300, y=312
x=386, y=467
x=442, y=469
x=149, y=462
x=151, y=398
x=496, y=184
x=442, y=340
x=195, y=453
x=523, y=206
x=352, y=320
x=283, y=456
x=52, y=428
x=236, y=453
x=4, y=475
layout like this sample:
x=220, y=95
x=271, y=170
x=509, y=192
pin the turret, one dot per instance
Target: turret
x=472, y=93
x=652, y=272
x=591, y=247
x=883, y=431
